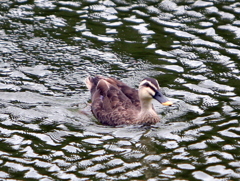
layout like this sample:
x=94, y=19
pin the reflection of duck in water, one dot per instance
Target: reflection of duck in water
x=115, y=103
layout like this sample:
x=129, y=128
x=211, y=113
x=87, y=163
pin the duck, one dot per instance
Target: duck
x=114, y=103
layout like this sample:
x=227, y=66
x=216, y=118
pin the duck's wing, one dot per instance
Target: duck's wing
x=131, y=93
x=109, y=104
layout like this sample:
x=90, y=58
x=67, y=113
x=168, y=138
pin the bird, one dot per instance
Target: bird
x=114, y=103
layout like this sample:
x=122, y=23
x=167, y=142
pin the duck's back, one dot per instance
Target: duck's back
x=113, y=102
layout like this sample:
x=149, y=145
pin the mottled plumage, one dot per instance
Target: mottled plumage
x=115, y=103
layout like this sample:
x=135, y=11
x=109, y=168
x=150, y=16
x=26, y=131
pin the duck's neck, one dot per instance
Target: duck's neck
x=146, y=105
x=147, y=113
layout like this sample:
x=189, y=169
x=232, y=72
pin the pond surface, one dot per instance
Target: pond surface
x=48, y=48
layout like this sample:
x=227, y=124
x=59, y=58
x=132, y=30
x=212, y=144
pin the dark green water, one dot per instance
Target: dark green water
x=48, y=48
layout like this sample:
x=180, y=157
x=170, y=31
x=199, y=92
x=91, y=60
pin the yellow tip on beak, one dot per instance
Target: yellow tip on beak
x=168, y=103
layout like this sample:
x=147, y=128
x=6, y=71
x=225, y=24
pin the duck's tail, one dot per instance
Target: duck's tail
x=92, y=82
x=89, y=82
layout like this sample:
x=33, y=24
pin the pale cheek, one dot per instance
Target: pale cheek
x=151, y=92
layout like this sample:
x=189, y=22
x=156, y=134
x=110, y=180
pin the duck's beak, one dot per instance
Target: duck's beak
x=162, y=99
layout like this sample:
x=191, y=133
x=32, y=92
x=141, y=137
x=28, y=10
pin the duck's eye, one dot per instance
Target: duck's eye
x=147, y=84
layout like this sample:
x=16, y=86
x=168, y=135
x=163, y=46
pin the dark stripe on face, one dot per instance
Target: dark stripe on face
x=150, y=86
x=153, y=81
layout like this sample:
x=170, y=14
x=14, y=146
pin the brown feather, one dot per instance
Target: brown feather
x=109, y=104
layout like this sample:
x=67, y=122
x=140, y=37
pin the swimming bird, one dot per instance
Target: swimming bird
x=115, y=103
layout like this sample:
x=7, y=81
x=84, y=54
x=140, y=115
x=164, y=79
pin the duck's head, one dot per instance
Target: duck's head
x=149, y=89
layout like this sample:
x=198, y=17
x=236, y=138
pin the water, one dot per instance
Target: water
x=47, y=48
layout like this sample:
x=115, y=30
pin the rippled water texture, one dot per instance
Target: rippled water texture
x=48, y=47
